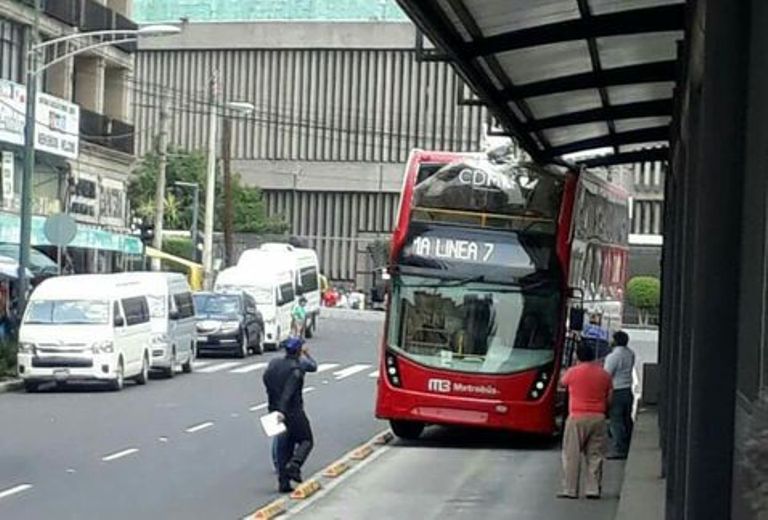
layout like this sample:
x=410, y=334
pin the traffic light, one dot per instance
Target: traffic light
x=147, y=233
x=143, y=229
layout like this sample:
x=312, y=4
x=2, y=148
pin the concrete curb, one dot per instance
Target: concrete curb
x=319, y=481
x=13, y=385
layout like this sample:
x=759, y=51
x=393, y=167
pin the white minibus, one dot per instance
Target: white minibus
x=305, y=273
x=172, y=316
x=85, y=327
x=271, y=286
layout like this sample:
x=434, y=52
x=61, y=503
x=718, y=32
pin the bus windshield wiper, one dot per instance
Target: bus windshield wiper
x=465, y=281
x=447, y=283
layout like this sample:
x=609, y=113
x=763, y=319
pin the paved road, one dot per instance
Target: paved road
x=462, y=474
x=183, y=448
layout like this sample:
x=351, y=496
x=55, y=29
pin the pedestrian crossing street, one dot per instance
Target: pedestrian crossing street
x=335, y=370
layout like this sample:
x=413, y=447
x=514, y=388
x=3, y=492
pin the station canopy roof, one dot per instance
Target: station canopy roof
x=566, y=76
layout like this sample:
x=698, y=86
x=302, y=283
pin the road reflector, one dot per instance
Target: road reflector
x=272, y=510
x=306, y=490
x=362, y=452
x=336, y=469
x=384, y=438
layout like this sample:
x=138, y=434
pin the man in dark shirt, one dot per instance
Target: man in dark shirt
x=284, y=380
x=308, y=364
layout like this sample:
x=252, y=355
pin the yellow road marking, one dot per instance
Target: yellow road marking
x=305, y=490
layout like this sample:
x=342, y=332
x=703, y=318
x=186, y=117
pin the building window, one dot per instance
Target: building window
x=11, y=48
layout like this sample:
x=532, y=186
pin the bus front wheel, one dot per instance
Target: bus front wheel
x=410, y=430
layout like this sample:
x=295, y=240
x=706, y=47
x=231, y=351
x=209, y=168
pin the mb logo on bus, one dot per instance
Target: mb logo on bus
x=442, y=386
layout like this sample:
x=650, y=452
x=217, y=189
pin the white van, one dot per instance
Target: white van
x=305, y=272
x=172, y=315
x=85, y=327
x=271, y=286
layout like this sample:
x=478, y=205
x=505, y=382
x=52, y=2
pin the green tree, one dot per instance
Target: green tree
x=644, y=292
x=250, y=215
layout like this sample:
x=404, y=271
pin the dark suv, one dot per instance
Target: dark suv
x=228, y=322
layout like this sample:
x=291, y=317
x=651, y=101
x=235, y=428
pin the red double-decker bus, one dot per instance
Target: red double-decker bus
x=488, y=262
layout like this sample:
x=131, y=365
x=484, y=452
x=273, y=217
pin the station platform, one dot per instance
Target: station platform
x=461, y=474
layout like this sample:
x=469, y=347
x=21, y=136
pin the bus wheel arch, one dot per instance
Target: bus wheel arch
x=410, y=430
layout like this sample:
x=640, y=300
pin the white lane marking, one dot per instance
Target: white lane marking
x=258, y=407
x=349, y=371
x=375, y=373
x=322, y=367
x=308, y=389
x=119, y=454
x=201, y=364
x=248, y=368
x=218, y=367
x=14, y=490
x=198, y=427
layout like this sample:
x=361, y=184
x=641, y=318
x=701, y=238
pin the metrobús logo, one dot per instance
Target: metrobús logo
x=444, y=386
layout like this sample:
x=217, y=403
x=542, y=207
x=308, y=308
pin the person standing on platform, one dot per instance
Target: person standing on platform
x=589, y=388
x=620, y=364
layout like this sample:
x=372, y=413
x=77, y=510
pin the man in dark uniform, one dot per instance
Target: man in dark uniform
x=284, y=380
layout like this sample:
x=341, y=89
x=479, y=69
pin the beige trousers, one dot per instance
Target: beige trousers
x=584, y=436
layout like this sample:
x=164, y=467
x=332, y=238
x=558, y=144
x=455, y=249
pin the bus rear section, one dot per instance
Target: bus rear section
x=476, y=313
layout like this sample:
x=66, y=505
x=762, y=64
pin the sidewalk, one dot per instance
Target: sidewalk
x=643, y=492
x=464, y=474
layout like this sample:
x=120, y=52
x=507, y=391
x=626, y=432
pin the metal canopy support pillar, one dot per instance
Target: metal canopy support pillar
x=713, y=297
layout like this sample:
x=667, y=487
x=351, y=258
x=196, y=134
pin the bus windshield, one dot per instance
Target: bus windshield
x=474, y=326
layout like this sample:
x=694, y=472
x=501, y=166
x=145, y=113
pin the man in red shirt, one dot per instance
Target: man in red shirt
x=589, y=393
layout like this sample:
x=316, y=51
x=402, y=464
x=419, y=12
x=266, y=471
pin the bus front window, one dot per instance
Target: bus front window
x=474, y=327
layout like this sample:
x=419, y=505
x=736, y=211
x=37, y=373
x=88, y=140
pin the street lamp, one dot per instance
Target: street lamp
x=33, y=71
x=241, y=107
x=195, y=210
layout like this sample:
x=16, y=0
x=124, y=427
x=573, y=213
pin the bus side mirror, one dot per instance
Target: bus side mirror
x=119, y=321
x=576, y=319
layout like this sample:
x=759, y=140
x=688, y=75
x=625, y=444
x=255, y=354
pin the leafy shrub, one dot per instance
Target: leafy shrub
x=7, y=358
x=644, y=292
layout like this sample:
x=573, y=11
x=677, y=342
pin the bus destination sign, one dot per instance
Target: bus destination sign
x=492, y=255
x=453, y=249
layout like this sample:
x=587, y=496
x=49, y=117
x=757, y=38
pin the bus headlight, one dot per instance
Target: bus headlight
x=392, y=369
x=540, y=383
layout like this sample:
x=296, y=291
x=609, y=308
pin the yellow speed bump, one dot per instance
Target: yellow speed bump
x=335, y=469
x=362, y=453
x=272, y=510
x=306, y=490
x=384, y=438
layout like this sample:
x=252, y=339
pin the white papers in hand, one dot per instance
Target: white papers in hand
x=271, y=424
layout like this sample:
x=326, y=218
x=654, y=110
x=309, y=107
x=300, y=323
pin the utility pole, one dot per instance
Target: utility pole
x=210, y=184
x=229, y=217
x=162, y=144
x=25, y=231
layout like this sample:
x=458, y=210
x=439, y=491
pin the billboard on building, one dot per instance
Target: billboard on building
x=58, y=121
